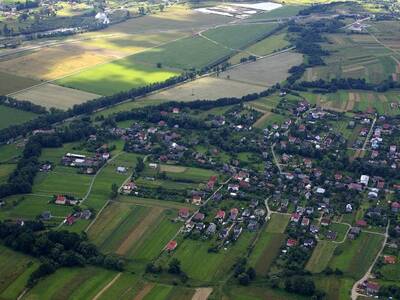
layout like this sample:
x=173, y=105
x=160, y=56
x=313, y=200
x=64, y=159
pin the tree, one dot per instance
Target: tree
x=139, y=165
x=114, y=191
x=244, y=279
x=174, y=267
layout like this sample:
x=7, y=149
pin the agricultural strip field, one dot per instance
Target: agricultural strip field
x=354, y=257
x=165, y=292
x=256, y=293
x=50, y=95
x=11, y=116
x=321, y=256
x=10, y=83
x=71, y=283
x=265, y=72
x=337, y=288
x=15, y=269
x=206, y=88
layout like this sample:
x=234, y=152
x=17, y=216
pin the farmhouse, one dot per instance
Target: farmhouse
x=171, y=246
x=389, y=259
x=184, y=213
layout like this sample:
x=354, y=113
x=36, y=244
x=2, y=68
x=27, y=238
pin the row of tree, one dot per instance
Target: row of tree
x=22, y=105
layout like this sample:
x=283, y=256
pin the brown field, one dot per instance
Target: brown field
x=11, y=83
x=202, y=293
x=351, y=102
x=144, y=291
x=207, y=88
x=261, y=120
x=265, y=72
x=50, y=95
x=172, y=169
x=139, y=230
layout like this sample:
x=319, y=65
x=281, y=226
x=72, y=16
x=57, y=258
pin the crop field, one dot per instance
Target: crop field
x=277, y=223
x=209, y=267
x=165, y=292
x=125, y=287
x=265, y=72
x=354, y=257
x=239, y=36
x=11, y=116
x=255, y=293
x=321, y=256
x=175, y=172
x=71, y=283
x=336, y=288
x=15, y=269
x=10, y=83
x=210, y=88
x=51, y=95
x=133, y=231
x=266, y=46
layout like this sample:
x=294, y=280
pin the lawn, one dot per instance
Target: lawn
x=120, y=75
x=277, y=223
x=71, y=283
x=15, y=269
x=355, y=257
x=11, y=116
x=239, y=36
x=391, y=272
x=321, y=256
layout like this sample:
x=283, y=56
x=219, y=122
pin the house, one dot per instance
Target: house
x=86, y=214
x=46, y=215
x=364, y=179
x=198, y=217
x=305, y=222
x=184, y=213
x=291, y=243
x=211, y=182
x=361, y=223
x=314, y=229
x=61, y=200
x=236, y=232
x=331, y=235
x=354, y=233
x=70, y=220
x=355, y=187
x=325, y=222
x=196, y=200
x=175, y=110
x=211, y=229
x=171, y=246
x=253, y=225
x=220, y=215
x=128, y=187
x=308, y=243
x=233, y=214
x=121, y=169
x=320, y=191
x=389, y=259
x=246, y=213
x=233, y=187
x=349, y=208
x=295, y=217
x=372, y=288
x=395, y=206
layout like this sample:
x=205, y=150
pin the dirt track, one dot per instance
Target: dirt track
x=202, y=293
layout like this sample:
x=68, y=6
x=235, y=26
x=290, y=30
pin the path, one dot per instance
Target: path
x=354, y=293
x=99, y=294
x=202, y=293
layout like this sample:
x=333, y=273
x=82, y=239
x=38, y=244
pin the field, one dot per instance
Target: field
x=255, y=293
x=337, y=288
x=9, y=152
x=71, y=283
x=11, y=116
x=11, y=83
x=321, y=256
x=15, y=269
x=5, y=171
x=206, y=88
x=282, y=12
x=354, y=257
x=265, y=72
x=50, y=95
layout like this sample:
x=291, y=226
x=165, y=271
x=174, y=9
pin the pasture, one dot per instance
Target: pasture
x=5, y=171
x=51, y=95
x=321, y=256
x=71, y=283
x=9, y=152
x=354, y=257
x=11, y=116
x=259, y=292
x=279, y=13
x=277, y=223
x=15, y=269
x=264, y=72
x=10, y=83
x=336, y=288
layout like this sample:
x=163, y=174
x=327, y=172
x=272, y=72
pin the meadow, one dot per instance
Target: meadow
x=11, y=83
x=11, y=116
x=321, y=256
x=285, y=11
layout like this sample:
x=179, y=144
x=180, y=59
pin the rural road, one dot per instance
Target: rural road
x=354, y=293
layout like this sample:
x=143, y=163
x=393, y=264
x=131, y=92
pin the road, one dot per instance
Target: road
x=354, y=293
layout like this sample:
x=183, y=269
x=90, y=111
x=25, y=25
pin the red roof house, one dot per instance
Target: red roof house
x=184, y=212
x=171, y=246
x=361, y=223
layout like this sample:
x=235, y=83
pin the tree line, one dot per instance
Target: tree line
x=22, y=105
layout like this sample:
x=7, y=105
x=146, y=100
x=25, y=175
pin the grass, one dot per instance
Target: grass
x=391, y=272
x=239, y=36
x=71, y=283
x=15, y=269
x=8, y=152
x=321, y=256
x=194, y=175
x=159, y=292
x=277, y=223
x=11, y=116
x=256, y=293
x=5, y=171
x=282, y=12
x=209, y=267
x=124, y=288
x=120, y=75
x=336, y=288
x=354, y=257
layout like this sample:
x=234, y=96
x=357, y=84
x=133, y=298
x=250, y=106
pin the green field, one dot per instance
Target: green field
x=5, y=171
x=15, y=269
x=337, y=288
x=116, y=76
x=277, y=223
x=166, y=292
x=321, y=256
x=354, y=257
x=8, y=152
x=282, y=12
x=11, y=116
x=71, y=283
x=257, y=293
